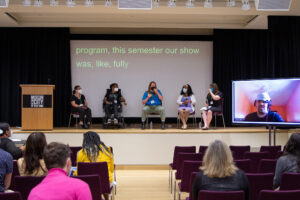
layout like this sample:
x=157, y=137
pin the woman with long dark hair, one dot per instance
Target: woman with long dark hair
x=80, y=105
x=290, y=161
x=32, y=164
x=94, y=150
x=186, y=102
x=213, y=104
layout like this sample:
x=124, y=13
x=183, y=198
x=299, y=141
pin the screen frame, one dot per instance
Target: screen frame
x=283, y=124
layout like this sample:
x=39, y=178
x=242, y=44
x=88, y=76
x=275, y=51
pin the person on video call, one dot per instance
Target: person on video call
x=152, y=101
x=112, y=102
x=263, y=105
x=80, y=105
x=213, y=104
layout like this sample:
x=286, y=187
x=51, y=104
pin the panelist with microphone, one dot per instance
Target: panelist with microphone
x=152, y=101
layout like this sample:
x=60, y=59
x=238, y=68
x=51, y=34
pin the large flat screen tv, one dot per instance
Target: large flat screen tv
x=266, y=102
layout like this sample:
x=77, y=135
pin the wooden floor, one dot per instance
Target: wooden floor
x=143, y=185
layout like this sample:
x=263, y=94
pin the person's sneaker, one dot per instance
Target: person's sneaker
x=109, y=121
x=143, y=125
x=116, y=121
x=163, y=125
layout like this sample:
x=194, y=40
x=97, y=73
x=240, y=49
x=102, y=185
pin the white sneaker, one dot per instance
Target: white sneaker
x=109, y=121
x=115, y=121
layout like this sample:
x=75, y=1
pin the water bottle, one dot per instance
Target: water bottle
x=151, y=125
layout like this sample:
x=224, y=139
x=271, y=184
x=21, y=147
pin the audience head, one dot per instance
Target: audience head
x=4, y=130
x=35, y=145
x=92, y=145
x=57, y=155
x=77, y=89
x=218, y=161
x=152, y=85
x=215, y=88
x=293, y=145
x=186, y=89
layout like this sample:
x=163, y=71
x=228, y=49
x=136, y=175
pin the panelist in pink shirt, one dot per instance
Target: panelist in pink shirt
x=57, y=185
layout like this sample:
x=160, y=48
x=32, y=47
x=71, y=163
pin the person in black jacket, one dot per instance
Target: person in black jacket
x=8, y=145
x=219, y=173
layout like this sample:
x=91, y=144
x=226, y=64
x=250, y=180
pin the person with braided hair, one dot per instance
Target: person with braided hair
x=94, y=150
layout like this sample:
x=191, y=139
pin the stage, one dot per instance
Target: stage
x=133, y=146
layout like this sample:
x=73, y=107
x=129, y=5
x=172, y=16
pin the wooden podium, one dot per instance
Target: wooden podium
x=37, y=107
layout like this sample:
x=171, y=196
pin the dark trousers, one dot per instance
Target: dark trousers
x=111, y=109
x=83, y=112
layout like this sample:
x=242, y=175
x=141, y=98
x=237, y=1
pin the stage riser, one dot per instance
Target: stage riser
x=157, y=149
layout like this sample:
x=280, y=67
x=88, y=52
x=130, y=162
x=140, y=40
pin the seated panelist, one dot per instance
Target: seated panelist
x=152, y=101
x=80, y=105
x=112, y=103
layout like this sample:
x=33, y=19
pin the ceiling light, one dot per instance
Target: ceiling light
x=246, y=5
x=208, y=4
x=89, y=3
x=230, y=3
x=37, y=3
x=155, y=3
x=26, y=3
x=71, y=3
x=172, y=3
x=53, y=3
x=190, y=4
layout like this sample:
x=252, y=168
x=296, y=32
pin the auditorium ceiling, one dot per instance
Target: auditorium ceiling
x=162, y=20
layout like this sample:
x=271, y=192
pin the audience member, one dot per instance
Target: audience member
x=32, y=164
x=186, y=102
x=218, y=172
x=6, y=169
x=290, y=161
x=94, y=150
x=7, y=144
x=57, y=185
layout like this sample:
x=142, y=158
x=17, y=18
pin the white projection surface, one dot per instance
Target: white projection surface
x=133, y=64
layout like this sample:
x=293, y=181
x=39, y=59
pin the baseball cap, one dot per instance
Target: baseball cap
x=263, y=97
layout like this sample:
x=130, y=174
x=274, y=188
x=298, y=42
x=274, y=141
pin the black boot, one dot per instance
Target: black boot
x=143, y=125
x=162, y=125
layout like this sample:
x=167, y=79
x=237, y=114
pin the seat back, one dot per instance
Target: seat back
x=224, y=195
x=279, y=195
x=271, y=149
x=10, y=196
x=255, y=157
x=290, y=181
x=258, y=182
x=188, y=168
x=94, y=183
x=239, y=151
x=74, y=151
x=192, y=178
x=185, y=157
x=24, y=184
x=202, y=149
x=183, y=149
x=243, y=164
x=99, y=168
x=267, y=166
x=14, y=174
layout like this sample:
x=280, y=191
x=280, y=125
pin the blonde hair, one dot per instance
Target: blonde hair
x=218, y=161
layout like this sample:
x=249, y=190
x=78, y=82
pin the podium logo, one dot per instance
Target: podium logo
x=37, y=101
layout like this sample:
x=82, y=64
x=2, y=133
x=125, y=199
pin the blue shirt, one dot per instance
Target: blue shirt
x=153, y=100
x=6, y=167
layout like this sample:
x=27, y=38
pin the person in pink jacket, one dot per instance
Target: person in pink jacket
x=57, y=185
